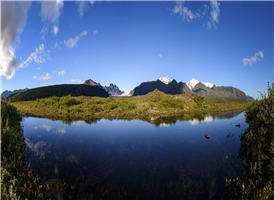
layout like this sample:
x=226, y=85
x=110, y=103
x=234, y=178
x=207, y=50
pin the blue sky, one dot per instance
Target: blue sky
x=126, y=43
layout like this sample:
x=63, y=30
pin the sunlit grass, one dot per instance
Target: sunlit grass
x=155, y=103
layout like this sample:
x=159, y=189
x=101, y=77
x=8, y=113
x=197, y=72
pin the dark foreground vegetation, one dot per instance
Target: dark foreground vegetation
x=154, y=104
x=18, y=181
x=257, y=150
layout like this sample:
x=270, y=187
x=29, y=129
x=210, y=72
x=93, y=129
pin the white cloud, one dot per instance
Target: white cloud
x=77, y=80
x=261, y=54
x=71, y=42
x=47, y=76
x=38, y=68
x=215, y=14
x=209, y=25
x=83, y=33
x=184, y=11
x=95, y=32
x=37, y=56
x=48, y=51
x=77, y=61
x=20, y=58
x=56, y=45
x=55, y=30
x=62, y=72
x=44, y=126
x=44, y=31
x=253, y=59
x=160, y=55
x=50, y=12
x=62, y=131
x=13, y=20
x=83, y=6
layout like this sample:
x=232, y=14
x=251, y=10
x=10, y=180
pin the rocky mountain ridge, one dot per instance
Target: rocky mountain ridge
x=7, y=93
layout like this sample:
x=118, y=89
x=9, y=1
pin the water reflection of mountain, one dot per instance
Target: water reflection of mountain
x=213, y=117
x=227, y=115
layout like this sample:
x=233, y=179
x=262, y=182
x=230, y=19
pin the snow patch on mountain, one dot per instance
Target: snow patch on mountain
x=193, y=82
x=165, y=80
x=126, y=92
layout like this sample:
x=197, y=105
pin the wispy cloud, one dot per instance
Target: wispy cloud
x=56, y=45
x=44, y=126
x=77, y=80
x=62, y=72
x=47, y=76
x=215, y=14
x=160, y=55
x=187, y=14
x=71, y=42
x=38, y=56
x=254, y=59
x=13, y=21
x=60, y=130
x=83, y=6
x=95, y=32
x=55, y=30
x=50, y=12
x=38, y=68
x=44, y=31
x=77, y=61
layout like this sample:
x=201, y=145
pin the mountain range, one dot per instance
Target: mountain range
x=112, y=89
x=194, y=87
x=7, y=93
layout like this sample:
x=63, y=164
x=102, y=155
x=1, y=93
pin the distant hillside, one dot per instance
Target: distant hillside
x=250, y=98
x=113, y=89
x=92, y=83
x=7, y=93
x=220, y=93
x=177, y=88
x=147, y=87
x=59, y=91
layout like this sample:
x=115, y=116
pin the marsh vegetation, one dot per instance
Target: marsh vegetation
x=155, y=103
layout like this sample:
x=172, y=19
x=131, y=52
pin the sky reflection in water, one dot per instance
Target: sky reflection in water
x=136, y=159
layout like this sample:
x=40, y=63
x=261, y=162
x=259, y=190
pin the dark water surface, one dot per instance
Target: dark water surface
x=136, y=159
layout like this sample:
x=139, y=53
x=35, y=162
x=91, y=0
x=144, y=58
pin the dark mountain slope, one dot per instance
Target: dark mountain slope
x=147, y=87
x=59, y=91
x=220, y=93
x=113, y=89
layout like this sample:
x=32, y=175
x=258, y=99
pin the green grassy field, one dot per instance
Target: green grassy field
x=155, y=103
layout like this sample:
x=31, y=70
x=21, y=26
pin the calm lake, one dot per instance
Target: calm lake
x=119, y=159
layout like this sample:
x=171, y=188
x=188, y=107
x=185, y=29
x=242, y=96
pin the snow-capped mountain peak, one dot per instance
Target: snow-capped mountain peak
x=165, y=80
x=193, y=82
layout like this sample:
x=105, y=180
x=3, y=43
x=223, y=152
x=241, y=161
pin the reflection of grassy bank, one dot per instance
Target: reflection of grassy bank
x=155, y=103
